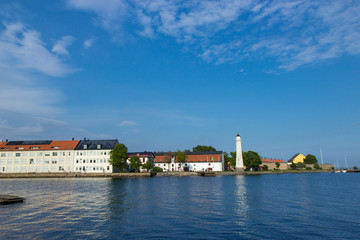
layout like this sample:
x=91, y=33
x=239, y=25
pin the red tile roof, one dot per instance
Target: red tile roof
x=54, y=145
x=272, y=161
x=216, y=157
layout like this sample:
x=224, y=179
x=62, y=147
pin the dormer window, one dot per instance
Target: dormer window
x=99, y=146
x=85, y=146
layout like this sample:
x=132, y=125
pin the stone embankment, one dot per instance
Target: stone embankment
x=75, y=175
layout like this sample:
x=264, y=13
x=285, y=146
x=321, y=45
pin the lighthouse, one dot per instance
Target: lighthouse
x=239, y=158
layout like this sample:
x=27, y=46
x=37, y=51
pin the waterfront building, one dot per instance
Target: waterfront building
x=144, y=157
x=196, y=161
x=271, y=163
x=37, y=156
x=93, y=156
x=297, y=158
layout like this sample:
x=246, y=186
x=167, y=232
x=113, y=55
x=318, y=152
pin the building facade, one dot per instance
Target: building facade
x=271, y=163
x=297, y=158
x=37, y=156
x=196, y=161
x=93, y=156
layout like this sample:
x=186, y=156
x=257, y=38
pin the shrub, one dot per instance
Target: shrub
x=157, y=169
x=308, y=168
x=265, y=168
x=356, y=168
x=317, y=166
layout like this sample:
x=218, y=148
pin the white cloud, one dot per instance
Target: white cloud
x=61, y=45
x=21, y=48
x=28, y=95
x=291, y=32
x=127, y=123
x=89, y=43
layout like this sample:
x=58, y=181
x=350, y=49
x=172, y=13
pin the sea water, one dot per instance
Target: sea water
x=286, y=206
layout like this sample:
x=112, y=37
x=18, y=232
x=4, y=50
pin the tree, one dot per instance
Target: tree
x=203, y=148
x=118, y=157
x=356, y=168
x=293, y=166
x=181, y=156
x=300, y=165
x=310, y=159
x=148, y=165
x=265, y=168
x=157, y=169
x=317, y=166
x=277, y=164
x=233, y=159
x=251, y=159
x=135, y=163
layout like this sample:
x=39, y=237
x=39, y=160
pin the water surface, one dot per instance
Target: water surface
x=301, y=206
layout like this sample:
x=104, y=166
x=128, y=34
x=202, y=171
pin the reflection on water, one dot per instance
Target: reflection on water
x=277, y=206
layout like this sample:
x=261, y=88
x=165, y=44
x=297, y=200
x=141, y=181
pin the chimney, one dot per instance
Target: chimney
x=72, y=139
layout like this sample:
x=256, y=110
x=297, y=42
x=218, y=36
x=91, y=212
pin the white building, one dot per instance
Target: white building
x=93, y=156
x=37, y=156
x=196, y=161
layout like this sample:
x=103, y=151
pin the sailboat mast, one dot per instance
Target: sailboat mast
x=322, y=160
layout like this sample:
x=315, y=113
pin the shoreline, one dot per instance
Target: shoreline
x=146, y=174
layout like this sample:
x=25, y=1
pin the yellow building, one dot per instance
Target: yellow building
x=297, y=158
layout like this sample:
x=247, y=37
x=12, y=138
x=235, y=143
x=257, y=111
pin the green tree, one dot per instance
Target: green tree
x=135, y=163
x=203, y=148
x=310, y=159
x=181, y=156
x=118, y=157
x=277, y=164
x=157, y=169
x=356, y=168
x=265, y=168
x=317, y=166
x=251, y=159
x=293, y=166
x=148, y=165
x=300, y=165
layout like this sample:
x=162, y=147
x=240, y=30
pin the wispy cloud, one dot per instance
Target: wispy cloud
x=89, y=43
x=27, y=94
x=291, y=32
x=61, y=45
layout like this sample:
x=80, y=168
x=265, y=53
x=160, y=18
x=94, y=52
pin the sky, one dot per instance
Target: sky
x=164, y=75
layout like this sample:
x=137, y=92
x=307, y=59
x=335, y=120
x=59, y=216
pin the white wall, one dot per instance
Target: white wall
x=36, y=161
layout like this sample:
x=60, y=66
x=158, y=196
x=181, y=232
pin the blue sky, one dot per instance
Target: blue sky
x=165, y=75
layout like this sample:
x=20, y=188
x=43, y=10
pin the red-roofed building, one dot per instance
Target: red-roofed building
x=196, y=161
x=271, y=163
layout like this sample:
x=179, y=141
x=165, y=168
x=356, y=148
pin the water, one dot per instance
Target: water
x=301, y=206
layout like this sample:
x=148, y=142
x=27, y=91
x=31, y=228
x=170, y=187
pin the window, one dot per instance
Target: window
x=53, y=168
x=24, y=154
x=17, y=154
x=85, y=146
x=108, y=168
x=61, y=168
x=39, y=154
x=24, y=169
x=2, y=161
x=46, y=161
x=46, y=169
x=77, y=154
x=3, y=154
x=47, y=154
x=53, y=161
x=61, y=161
x=32, y=154
x=77, y=161
x=39, y=161
x=10, y=154
x=99, y=146
x=31, y=161
x=9, y=161
x=24, y=161
x=38, y=168
x=54, y=154
x=94, y=161
x=90, y=160
x=62, y=154
x=17, y=161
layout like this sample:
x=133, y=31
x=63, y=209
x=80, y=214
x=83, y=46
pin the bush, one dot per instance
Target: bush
x=308, y=168
x=265, y=168
x=356, y=168
x=317, y=166
x=157, y=169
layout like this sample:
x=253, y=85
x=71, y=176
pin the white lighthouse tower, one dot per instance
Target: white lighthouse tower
x=239, y=158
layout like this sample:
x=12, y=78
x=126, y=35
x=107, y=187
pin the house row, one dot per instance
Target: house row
x=60, y=156
x=195, y=161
